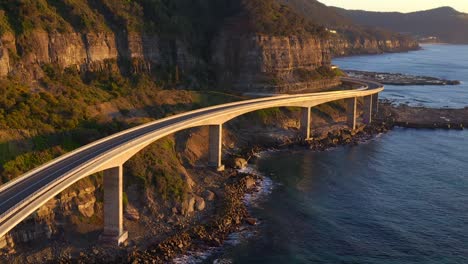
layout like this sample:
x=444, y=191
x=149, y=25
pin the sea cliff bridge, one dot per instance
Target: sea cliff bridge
x=21, y=197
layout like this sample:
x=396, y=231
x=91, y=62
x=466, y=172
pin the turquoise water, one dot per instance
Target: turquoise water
x=400, y=198
x=443, y=61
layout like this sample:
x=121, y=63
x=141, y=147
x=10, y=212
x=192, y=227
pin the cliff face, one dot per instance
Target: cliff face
x=288, y=64
x=263, y=63
x=50, y=219
x=87, y=52
x=344, y=47
x=260, y=46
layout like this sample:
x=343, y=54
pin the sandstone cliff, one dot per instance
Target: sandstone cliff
x=344, y=47
x=259, y=46
x=262, y=63
x=87, y=52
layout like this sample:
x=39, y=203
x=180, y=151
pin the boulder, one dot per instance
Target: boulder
x=240, y=163
x=200, y=204
x=3, y=242
x=209, y=195
x=251, y=221
x=250, y=182
x=86, y=204
x=188, y=206
x=131, y=213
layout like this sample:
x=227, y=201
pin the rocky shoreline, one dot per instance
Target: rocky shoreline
x=422, y=117
x=399, y=78
x=231, y=212
x=386, y=121
x=229, y=215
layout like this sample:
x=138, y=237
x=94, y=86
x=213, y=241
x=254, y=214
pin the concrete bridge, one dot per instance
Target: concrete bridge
x=21, y=197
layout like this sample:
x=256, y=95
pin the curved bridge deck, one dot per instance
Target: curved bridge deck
x=22, y=196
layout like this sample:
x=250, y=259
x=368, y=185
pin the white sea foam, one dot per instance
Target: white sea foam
x=263, y=188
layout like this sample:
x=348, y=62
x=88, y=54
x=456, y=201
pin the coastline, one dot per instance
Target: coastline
x=425, y=118
x=232, y=215
x=343, y=137
x=203, y=240
x=389, y=117
x=333, y=139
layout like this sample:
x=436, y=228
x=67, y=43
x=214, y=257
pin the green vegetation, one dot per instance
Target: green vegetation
x=270, y=17
x=320, y=73
x=28, y=161
x=446, y=23
x=62, y=113
x=25, y=15
x=124, y=199
x=157, y=167
x=268, y=115
x=80, y=15
x=4, y=25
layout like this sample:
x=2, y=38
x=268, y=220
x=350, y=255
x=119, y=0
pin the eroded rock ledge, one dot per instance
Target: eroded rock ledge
x=422, y=117
x=399, y=78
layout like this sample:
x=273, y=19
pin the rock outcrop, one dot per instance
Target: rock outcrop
x=340, y=46
x=264, y=63
x=94, y=51
x=80, y=201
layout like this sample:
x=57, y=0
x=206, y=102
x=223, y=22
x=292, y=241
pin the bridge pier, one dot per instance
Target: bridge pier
x=215, y=147
x=306, y=122
x=114, y=232
x=368, y=102
x=375, y=104
x=351, y=112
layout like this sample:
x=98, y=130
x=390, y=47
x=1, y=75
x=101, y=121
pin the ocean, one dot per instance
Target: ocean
x=442, y=61
x=399, y=198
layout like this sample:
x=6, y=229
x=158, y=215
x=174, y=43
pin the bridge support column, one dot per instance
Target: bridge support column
x=351, y=112
x=306, y=122
x=368, y=101
x=375, y=104
x=215, y=147
x=113, y=207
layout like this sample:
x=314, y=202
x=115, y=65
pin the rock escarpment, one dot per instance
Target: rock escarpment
x=50, y=220
x=256, y=46
x=263, y=63
x=95, y=51
x=346, y=46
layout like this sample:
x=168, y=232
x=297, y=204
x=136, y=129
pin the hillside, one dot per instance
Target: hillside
x=318, y=13
x=168, y=39
x=351, y=37
x=445, y=23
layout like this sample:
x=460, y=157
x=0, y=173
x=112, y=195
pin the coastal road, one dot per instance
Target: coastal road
x=22, y=196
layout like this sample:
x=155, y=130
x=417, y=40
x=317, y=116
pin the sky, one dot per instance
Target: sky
x=398, y=5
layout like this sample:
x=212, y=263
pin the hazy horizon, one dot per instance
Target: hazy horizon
x=398, y=5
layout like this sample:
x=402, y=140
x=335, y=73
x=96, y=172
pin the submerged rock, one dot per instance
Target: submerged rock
x=251, y=221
